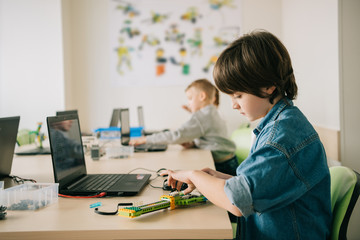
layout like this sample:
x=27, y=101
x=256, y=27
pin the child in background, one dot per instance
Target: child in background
x=216, y=102
x=282, y=189
x=205, y=129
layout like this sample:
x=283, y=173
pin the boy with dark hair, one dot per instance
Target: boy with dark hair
x=282, y=189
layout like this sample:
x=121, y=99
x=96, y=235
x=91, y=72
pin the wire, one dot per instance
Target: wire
x=102, y=194
x=154, y=186
x=146, y=169
x=21, y=180
x=96, y=210
x=157, y=172
x=149, y=170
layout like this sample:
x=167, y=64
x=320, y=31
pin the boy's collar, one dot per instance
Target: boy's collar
x=273, y=113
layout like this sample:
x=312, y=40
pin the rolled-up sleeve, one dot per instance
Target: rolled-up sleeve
x=238, y=191
x=187, y=132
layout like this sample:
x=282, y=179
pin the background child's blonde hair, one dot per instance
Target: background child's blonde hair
x=210, y=90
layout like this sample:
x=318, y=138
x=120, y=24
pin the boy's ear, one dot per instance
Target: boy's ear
x=270, y=90
x=202, y=95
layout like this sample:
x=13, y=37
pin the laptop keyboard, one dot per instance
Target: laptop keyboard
x=150, y=147
x=99, y=182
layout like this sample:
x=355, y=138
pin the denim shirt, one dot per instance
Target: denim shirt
x=283, y=188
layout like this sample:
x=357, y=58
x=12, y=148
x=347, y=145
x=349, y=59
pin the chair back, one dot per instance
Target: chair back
x=345, y=190
x=242, y=139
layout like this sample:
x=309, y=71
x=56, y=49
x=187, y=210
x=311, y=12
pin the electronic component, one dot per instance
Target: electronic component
x=171, y=201
x=2, y=212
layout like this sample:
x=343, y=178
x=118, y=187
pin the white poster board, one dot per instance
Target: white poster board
x=162, y=42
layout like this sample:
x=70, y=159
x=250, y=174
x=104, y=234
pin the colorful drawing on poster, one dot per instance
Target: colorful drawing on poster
x=127, y=8
x=196, y=42
x=156, y=18
x=161, y=61
x=130, y=31
x=160, y=42
x=191, y=15
x=124, y=57
x=210, y=63
x=185, y=66
x=174, y=35
x=149, y=40
x=225, y=36
x=218, y=4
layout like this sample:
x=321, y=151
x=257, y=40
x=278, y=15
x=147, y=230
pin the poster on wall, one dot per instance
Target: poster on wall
x=164, y=42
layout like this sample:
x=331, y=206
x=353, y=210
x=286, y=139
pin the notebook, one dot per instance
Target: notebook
x=142, y=123
x=70, y=169
x=115, y=118
x=8, y=133
x=125, y=135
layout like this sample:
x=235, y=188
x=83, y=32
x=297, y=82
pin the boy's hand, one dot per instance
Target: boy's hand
x=138, y=141
x=186, y=108
x=176, y=179
x=188, y=144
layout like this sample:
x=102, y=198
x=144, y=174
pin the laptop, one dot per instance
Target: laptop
x=142, y=123
x=70, y=169
x=125, y=135
x=67, y=112
x=8, y=133
x=115, y=118
x=34, y=150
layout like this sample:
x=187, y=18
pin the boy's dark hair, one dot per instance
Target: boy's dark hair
x=210, y=90
x=254, y=61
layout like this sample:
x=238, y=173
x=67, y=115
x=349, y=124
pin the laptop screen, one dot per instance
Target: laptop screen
x=115, y=118
x=67, y=112
x=66, y=148
x=141, y=116
x=125, y=126
x=8, y=132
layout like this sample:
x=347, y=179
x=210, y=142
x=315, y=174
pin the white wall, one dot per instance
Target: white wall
x=89, y=80
x=31, y=44
x=31, y=63
x=350, y=98
x=310, y=32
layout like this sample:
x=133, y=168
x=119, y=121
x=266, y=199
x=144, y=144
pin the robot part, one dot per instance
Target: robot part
x=166, y=201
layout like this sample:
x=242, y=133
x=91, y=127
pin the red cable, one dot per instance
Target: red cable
x=102, y=194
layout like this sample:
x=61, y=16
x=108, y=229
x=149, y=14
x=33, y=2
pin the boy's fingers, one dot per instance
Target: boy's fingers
x=189, y=189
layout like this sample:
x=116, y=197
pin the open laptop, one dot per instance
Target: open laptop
x=69, y=112
x=142, y=123
x=115, y=118
x=70, y=169
x=8, y=133
x=34, y=150
x=66, y=112
x=125, y=135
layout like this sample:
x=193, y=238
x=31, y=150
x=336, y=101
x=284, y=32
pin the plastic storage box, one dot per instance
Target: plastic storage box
x=119, y=151
x=114, y=132
x=29, y=196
